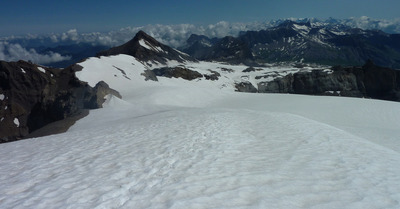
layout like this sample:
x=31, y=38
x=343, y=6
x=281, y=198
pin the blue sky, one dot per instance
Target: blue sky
x=47, y=16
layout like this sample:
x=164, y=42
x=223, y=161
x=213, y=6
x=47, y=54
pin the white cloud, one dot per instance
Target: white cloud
x=176, y=35
x=172, y=35
x=15, y=52
x=70, y=35
x=364, y=22
x=54, y=38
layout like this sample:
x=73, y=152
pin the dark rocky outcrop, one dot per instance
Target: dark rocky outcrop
x=181, y=72
x=227, y=70
x=213, y=76
x=32, y=96
x=245, y=87
x=368, y=81
x=149, y=75
x=251, y=69
x=145, y=48
x=177, y=72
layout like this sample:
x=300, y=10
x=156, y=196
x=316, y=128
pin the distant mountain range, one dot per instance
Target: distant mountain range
x=61, y=50
x=365, y=23
x=329, y=44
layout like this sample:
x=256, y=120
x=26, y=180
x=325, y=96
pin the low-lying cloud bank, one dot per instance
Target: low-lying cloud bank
x=15, y=52
x=173, y=35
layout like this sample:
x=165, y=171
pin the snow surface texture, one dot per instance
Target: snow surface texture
x=181, y=144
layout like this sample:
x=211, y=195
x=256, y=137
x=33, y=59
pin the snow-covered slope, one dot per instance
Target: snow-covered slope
x=197, y=144
x=124, y=73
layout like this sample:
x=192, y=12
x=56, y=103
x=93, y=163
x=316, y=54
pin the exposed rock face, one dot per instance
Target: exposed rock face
x=145, y=48
x=32, y=96
x=368, y=81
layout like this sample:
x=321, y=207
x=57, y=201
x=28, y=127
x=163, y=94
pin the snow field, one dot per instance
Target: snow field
x=197, y=158
x=108, y=69
x=189, y=144
x=374, y=120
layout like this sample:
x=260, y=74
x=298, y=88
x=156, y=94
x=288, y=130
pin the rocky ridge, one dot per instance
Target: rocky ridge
x=32, y=96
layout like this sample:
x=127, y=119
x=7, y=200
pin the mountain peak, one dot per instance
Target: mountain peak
x=142, y=35
x=146, y=48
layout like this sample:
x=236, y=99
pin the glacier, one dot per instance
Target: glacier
x=198, y=144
